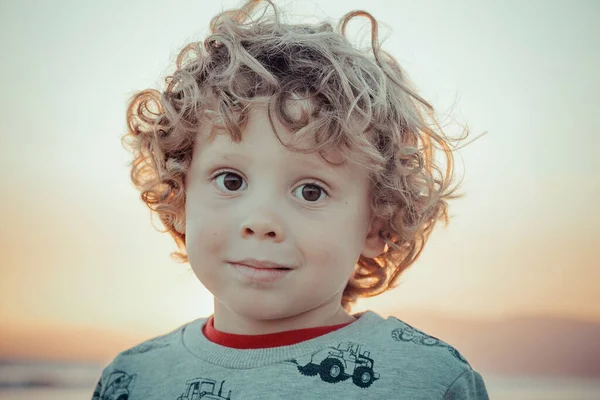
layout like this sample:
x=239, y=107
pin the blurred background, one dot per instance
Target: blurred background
x=512, y=281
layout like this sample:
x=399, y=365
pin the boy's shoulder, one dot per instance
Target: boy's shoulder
x=427, y=361
x=421, y=358
x=411, y=348
x=154, y=343
x=426, y=357
x=416, y=339
x=157, y=346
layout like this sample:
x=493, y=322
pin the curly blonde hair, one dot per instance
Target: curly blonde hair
x=362, y=104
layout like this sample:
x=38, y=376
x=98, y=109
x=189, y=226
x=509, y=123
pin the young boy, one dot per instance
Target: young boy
x=296, y=174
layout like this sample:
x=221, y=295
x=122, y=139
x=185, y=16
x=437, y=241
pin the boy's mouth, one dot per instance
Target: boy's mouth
x=264, y=275
x=250, y=262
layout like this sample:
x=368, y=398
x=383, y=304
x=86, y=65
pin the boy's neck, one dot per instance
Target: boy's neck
x=227, y=321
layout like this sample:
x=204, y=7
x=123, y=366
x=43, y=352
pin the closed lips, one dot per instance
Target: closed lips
x=262, y=264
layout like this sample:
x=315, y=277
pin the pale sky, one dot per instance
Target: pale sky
x=76, y=243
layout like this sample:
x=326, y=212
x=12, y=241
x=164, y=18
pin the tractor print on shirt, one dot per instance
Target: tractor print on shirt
x=335, y=364
x=118, y=387
x=201, y=388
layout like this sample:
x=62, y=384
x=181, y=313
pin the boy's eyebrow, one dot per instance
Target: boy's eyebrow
x=235, y=156
x=321, y=166
x=226, y=156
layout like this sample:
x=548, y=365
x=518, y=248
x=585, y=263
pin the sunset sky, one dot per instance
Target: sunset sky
x=77, y=247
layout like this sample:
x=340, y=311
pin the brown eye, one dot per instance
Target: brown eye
x=312, y=192
x=231, y=181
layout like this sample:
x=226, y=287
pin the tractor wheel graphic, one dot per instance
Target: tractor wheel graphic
x=363, y=377
x=331, y=370
x=309, y=369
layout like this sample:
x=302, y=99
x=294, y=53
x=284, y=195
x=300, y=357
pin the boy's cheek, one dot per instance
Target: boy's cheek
x=205, y=240
x=327, y=255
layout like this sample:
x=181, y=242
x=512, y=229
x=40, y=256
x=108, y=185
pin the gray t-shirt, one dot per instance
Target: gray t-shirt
x=371, y=358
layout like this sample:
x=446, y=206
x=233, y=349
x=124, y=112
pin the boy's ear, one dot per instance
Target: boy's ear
x=179, y=226
x=374, y=243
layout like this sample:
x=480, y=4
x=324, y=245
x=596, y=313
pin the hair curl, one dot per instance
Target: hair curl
x=362, y=104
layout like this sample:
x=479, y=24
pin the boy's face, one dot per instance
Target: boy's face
x=258, y=200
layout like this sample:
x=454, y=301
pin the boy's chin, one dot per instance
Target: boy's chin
x=252, y=310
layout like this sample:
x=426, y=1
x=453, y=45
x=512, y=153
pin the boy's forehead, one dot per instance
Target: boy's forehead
x=223, y=146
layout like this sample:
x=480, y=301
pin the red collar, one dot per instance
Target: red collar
x=264, y=341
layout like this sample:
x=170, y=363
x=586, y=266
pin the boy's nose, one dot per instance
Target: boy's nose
x=262, y=229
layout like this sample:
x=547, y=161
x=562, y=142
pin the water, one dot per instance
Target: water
x=46, y=394
x=24, y=380
x=536, y=388
x=74, y=381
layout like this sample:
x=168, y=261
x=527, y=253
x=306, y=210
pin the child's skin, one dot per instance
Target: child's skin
x=270, y=210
